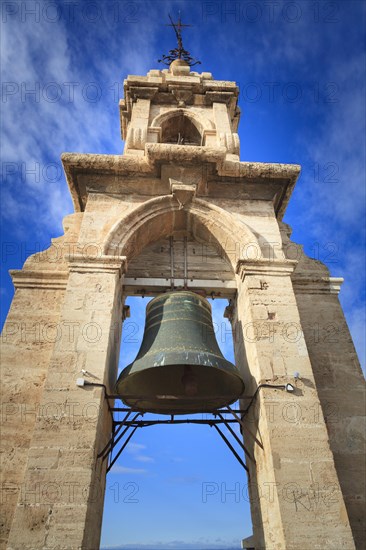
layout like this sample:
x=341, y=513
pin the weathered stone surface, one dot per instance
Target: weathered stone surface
x=67, y=312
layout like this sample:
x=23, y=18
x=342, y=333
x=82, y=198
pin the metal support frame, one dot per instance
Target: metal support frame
x=123, y=430
x=126, y=424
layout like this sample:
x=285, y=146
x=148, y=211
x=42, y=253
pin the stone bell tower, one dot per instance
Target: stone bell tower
x=178, y=209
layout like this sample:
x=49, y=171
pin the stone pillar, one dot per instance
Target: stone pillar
x=137, y=131
x=298, y=500
x=61, y=501
x=27, y=342
x=341, y=388
x=225, y=136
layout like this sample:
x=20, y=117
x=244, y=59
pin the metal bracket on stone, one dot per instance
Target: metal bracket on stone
x=126, y=312
x=181, y=192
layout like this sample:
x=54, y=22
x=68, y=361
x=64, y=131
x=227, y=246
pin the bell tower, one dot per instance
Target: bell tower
x=179, y=107
x=178, y=210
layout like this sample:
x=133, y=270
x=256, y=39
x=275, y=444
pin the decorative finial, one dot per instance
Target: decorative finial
x=179, y=52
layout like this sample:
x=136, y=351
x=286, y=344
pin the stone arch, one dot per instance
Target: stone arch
x=188, y=121
x=160, y=217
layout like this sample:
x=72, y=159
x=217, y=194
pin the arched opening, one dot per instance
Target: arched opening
x=163, y=216
x=180, y=130
x=181, y=480
x=166, y=477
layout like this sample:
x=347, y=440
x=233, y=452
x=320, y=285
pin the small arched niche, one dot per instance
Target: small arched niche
x=180, y=130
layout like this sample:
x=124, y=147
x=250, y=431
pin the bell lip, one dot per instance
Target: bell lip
x=189, y=292
x=221, y=401
x=182, y=409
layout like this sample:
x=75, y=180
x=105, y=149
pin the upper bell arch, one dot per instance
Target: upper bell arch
x=182, y=126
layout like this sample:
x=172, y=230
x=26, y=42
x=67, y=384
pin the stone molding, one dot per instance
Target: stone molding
x=219, y=96
x=75, y=164
x=265, y=266
x=301, y=284
x=316, y=285
x=194, y=154
x=143, y=92
x=222, y=225
x=49, y=280
x=81, y=263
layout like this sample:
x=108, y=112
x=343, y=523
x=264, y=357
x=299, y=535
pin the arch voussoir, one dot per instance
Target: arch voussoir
x=159, y=217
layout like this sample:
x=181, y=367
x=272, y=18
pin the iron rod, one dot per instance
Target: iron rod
x=114, y=442
x=185, y=421
x=121, y=449
x=214, y=412
x=239, y=419
x=232, y=449
x=237, y=438
x=114, y=433
x=124, y=420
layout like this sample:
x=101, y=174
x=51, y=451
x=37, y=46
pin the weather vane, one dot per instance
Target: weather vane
x=179, y=52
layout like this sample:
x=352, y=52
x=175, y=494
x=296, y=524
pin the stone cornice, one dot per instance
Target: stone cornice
x=49, y=280
x=316, y=285
x=284, y=175
x=162, y=81
x=82, y=263
x=278, y=179
x=264, y=266
x=80, y=163
x=57, y=280
x=189, y=154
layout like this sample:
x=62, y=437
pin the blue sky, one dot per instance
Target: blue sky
x=300, y=67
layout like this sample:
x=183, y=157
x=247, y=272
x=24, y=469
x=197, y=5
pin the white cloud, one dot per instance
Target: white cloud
x=36, y=130
x=135, y=450
x=117, y=469
x=144, y=458
x=135, y=447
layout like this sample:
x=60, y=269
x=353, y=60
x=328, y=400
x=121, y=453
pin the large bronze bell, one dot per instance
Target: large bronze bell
x=179, y=367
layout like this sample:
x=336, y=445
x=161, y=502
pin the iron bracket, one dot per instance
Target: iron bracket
x=123, y=430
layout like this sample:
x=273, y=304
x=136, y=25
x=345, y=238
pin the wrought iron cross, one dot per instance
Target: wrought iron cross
x=179, y=52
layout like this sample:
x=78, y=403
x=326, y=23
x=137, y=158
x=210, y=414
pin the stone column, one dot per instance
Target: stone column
x=61, y=501
x=341, y=387
x=225, y=136
x=298, y=502
x=27, y=343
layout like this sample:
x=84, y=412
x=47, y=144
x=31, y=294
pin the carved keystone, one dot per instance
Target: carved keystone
x=181, y=192
x=183, y=96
